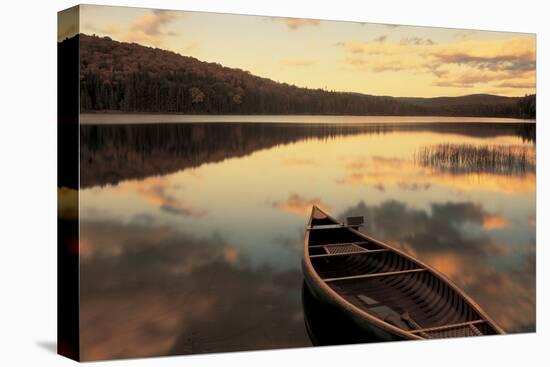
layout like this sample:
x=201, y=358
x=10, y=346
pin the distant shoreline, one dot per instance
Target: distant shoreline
x=149, y=118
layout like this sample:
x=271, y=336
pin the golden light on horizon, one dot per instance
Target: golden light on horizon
x=343, y=56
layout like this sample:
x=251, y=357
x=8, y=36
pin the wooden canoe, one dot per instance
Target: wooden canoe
x=383, y=290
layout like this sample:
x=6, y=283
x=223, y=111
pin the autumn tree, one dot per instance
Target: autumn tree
x=134, y=78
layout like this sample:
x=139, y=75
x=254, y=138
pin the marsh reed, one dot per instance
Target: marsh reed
x=467, y=158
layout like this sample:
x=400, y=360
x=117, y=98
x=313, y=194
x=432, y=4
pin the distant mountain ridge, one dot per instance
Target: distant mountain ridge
x=524, y=106
x=469, y=98
x=128, y=77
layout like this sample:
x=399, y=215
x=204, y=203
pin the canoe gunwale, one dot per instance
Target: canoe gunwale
x=450, y=326
x=356, y=311
x=374, y=275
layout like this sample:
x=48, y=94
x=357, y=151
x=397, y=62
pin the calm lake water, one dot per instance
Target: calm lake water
x=191, y=233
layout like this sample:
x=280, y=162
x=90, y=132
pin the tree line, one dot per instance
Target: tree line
x=117, y=76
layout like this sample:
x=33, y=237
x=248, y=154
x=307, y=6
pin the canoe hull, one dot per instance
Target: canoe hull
x=340, y=255
x=368, y=327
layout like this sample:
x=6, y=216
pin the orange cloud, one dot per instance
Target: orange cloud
x=466, y=79
x=508, y=63
x=516, y=84
x=295, y=23
x=448, y=264
x=147, y=29
x=476, y=278
x=487, y=54
x=494, y=221
x=298, y=205
x=231, y=255
x=154, y=191
x=513, y=79
x=151, y=23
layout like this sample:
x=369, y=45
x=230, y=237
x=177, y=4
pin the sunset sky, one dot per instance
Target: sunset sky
x=343, y=56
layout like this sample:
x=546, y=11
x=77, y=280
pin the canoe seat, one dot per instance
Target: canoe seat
x=367, y=300
x=350, y=248
x=389, y=315
x=453, y=333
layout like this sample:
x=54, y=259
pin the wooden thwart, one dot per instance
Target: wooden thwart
x=389, y=273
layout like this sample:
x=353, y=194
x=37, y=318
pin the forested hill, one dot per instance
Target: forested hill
x=133, y=78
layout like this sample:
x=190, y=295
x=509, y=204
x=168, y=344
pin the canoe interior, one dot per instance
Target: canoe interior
x=388, y=285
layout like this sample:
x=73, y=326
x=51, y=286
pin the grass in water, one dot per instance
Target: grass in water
x=466, y=158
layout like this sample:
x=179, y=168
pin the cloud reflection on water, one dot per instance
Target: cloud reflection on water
x=184, y=251
x=405, y=173
x=155, y=291
x=439, y=237
x=296, y=204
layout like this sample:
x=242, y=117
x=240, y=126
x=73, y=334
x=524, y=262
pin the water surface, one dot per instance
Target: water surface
x=145, y=118
x=191, y=234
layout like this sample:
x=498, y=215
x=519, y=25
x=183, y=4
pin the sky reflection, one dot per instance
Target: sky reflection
x=196, y=247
